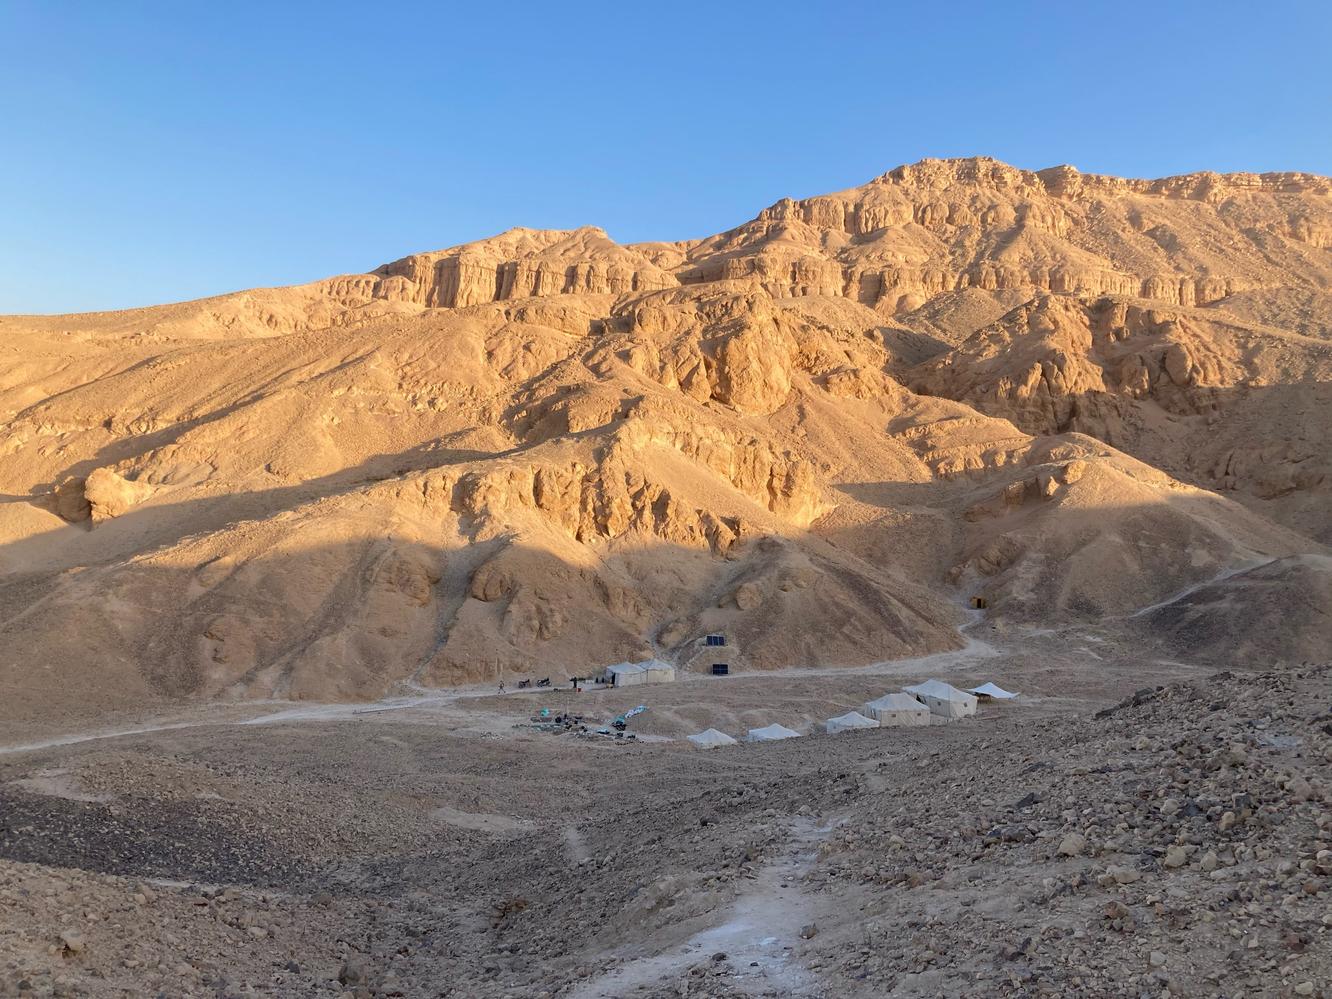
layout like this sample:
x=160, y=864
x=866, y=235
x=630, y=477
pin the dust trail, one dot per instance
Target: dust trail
x=69, y=740
x=759, y=933
x=313, y=712
x=1221, y=576
x=339, y=712
x=574, y=846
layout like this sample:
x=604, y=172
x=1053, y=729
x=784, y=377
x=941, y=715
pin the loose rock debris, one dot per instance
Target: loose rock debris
x=1179, y=844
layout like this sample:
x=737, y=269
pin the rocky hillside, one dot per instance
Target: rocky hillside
x=822, y=431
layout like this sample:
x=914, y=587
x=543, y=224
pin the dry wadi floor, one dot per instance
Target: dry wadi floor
x=1176, y=843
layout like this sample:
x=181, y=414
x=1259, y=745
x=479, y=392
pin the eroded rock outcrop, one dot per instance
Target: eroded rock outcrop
x=99, y=496
x=1179, y=388
x=521, y=263
x=548, y=448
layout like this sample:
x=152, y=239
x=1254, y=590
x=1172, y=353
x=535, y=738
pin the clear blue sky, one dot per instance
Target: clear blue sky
x=155, y=152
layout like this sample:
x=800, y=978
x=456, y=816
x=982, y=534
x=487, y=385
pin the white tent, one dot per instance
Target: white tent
x=626, y=674
x=897, y=710
x=711, y=739
x=944, y=699
x=849, y=721
x=770, y=733
x=658, y=671
x=992, y=690
x=630, y=674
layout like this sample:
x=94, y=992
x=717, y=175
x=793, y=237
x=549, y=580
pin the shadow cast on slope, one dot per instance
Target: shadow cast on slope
x=1267, y=446
x=282, y=609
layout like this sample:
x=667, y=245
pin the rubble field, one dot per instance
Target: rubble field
x=1175, y=842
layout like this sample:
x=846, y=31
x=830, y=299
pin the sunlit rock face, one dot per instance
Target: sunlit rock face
x=819, y=432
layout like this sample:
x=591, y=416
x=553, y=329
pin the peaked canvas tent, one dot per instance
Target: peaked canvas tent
x=626, y=674
x=770, y=733
x=658, y=671
x=897, y=710
x=630, y=674
x=944, y=699
x=992, y=690
x=848, y=722
x=711, y=739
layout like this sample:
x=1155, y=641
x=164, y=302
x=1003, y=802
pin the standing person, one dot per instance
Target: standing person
x=501, y=686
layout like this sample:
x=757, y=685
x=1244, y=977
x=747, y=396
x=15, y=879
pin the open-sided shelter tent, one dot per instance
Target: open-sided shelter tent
x=992, y=691
x=944, y=699
x=710, y=739
x=769, y=733
x=848, y=722
x=897, y=710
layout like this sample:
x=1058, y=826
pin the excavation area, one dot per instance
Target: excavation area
x=1092, y=836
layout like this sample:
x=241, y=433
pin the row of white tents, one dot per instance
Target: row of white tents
x=912, y=706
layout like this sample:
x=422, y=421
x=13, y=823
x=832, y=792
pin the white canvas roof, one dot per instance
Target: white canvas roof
x=711, y=738
x=939, y=689
x=646, y=666
x=944, y=700
x=770, y=732
x=896, y=702
x=895, y=710
x=632, y=675
x=992, y=690
x=850, y=720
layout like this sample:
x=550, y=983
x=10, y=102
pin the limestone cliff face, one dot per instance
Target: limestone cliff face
x=946, y=226
x=1181, y=388
x=549, y=449
x=618, y=494
x=930, y=229
x=1058, y=364
x=520, y=264
x=783, y=483
x=602, y=503
x=933, y=228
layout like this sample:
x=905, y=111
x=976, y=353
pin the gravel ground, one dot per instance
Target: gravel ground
x=1176, y=842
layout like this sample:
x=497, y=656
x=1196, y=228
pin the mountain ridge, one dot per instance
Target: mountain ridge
x=859, y=409
x=1063, y=181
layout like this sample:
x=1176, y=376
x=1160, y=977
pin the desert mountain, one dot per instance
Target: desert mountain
x=1093, y=401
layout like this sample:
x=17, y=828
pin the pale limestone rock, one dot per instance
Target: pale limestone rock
x=753, y=370
x=110, y=496
x=1178, y=364
x=747, y=596
x=1072, y=845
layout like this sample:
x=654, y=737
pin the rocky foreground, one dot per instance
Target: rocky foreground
x=1178, y=843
